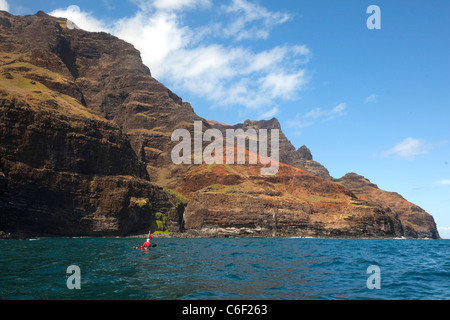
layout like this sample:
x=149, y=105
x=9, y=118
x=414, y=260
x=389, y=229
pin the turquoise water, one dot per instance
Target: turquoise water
x=183, y=269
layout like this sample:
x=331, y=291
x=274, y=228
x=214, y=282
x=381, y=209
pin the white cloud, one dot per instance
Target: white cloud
x=188, y=59
x=4, y=5
x=278, y=55
x=408, y=149
x=444, y=232
x=156, y=36
x=180, y=4
x=251, y=21
x=224, y=75
x=444, y=182
x=282, y=84
x=371, y=98
x=82, y=19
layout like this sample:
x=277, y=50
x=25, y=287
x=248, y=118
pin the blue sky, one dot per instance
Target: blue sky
x=374, y=102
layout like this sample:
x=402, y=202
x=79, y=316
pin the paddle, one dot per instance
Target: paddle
x=153, y=245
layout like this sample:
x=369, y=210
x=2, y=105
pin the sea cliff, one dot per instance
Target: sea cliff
x=85, y=150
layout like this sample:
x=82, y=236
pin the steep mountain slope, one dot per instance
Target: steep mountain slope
x=64, y=169
x=301, y=158
x=85, y=149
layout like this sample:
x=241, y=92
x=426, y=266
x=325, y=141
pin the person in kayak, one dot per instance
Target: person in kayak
x=147, y=245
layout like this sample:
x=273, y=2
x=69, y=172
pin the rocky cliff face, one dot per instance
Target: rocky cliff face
x=65, y=168
x=301, y=158
x=69, y=174
x=416, y=222
x=85, y=143
x=292, y=203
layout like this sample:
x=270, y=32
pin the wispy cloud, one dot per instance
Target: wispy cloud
x=315, y=115
x=270, y=113
x=371, y=98
x=409, y=148
x=298, y=123
x=171, y=5
x=326, y=115
x=251, y=21
x=190, y=59
x=445, y=182
x=4, y=5
x=444, y=232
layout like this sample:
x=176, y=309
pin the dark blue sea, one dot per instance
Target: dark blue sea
x=209, y=269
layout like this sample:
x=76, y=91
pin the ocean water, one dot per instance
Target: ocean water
x=208, y=269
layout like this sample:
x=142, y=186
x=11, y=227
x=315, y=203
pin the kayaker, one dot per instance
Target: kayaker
x=147, y=245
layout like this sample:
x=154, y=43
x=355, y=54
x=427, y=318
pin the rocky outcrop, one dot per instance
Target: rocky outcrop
x=415, y=221
x=301, y=158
